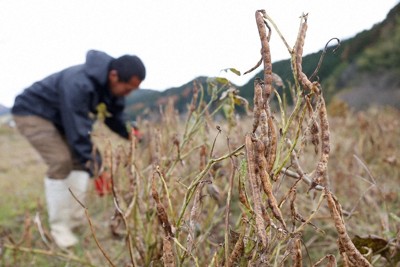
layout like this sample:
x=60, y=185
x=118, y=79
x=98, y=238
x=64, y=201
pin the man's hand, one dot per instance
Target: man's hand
x=103, y=184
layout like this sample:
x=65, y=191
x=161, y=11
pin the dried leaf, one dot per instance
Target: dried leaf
x=377, y=244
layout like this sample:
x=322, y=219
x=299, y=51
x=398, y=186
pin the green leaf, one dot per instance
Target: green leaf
x=233, y=70
x=221, y=80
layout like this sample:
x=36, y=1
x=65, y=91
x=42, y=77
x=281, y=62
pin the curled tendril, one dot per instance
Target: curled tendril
x=323, y=55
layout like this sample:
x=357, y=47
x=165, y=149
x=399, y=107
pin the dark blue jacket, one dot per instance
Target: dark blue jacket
x=67, y=98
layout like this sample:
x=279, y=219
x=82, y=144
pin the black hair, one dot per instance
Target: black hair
x=128, y=66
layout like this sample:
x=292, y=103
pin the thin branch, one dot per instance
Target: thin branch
x=365, y=168
x=37, y=221
x=228, y=203
x=192, y=187
x=166, y=190
x=305, y=178
x=92, y=229
x=215, y=140
x=323, y=55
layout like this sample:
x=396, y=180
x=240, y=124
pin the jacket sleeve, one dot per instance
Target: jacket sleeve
x=117, y=121
x=76, y=98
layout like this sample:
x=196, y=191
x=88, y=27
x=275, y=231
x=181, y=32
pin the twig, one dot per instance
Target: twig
x=255, y=67
x=184, y=249
x=305, y=178
x=215, y=140
x=228, y=202
x=92, y=229
x=40, y=228
x=166, y=190
x=366, y=169
x=285, y=130
x=323, y=55
x=307, y=221
x=195, y=182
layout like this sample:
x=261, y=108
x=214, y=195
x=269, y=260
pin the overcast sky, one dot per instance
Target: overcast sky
x=178, y=40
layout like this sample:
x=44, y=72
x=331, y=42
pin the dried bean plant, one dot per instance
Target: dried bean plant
x=209, y=193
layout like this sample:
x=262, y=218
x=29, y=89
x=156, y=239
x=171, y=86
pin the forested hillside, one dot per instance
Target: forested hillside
x=364, y=70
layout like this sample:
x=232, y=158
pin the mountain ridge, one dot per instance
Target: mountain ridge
x=367, y=63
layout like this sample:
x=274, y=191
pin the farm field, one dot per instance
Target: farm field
x=363, y=173
x=288, y=181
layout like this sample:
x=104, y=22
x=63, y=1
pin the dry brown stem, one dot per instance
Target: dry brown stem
x=27, y=235
x=304, y=178
x=92, y=229
x=119, y=203
x=255, y=67
x=42, y=232
x=293, y=209
x=228, y=203
x=295, y=160
x=323, y=55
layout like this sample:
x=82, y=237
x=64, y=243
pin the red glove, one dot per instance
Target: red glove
x=103, y=184
x=137, y=134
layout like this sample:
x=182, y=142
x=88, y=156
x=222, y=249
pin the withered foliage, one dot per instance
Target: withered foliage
x=183, y=197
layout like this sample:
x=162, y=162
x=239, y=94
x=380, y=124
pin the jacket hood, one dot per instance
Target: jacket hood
x=96, y=65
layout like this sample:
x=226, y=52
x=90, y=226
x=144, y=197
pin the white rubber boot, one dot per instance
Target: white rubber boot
x=78, y=182
x=58, y=200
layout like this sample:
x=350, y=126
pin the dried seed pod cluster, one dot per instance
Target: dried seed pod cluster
x=255, y=189
x=166, y=216
x=265, y=157
x=261, y=145
x=347, y=247
x=320, y=173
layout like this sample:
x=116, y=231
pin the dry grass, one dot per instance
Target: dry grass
x=285, y=187
x=363, y=171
